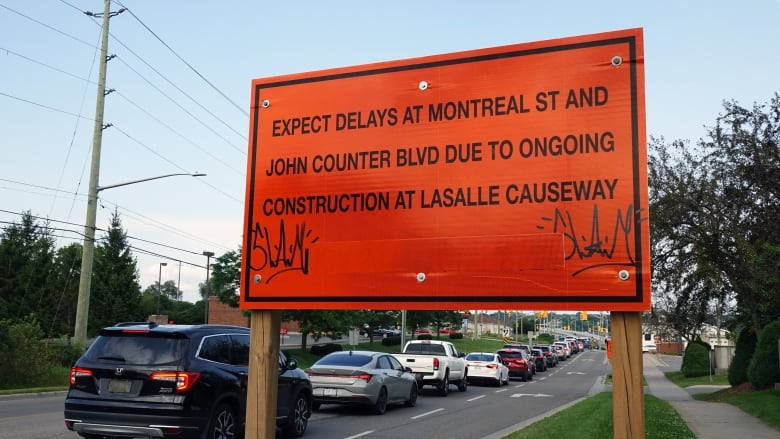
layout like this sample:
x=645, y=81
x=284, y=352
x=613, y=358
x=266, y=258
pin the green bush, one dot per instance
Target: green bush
x=393, y=340
x=456, y=335
x=746, y=345
x=696, y=361
x=764, y=369
x=324, y=349
x=26, y=361
x=425, y=337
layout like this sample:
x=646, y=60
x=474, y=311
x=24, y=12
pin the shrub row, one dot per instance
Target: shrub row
x=324, y=349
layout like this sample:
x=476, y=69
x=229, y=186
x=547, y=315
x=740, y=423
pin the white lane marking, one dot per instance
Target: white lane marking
x=360, y=434
x=426, y=414
x=475, y=398
x=535, y=395
x=502, y=390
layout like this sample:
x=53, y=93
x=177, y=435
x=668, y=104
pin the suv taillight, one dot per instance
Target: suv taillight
x=78, y=372
x=183, y=380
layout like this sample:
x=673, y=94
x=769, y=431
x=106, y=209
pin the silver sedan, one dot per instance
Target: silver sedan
x=375, y=379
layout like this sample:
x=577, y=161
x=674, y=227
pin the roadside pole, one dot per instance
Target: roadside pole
x=263, y=374
x=628, y=403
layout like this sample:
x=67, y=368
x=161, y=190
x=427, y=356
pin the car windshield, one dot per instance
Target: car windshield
x=345, y=359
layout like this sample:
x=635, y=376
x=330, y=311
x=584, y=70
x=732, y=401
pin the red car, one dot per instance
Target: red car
x=518, y=362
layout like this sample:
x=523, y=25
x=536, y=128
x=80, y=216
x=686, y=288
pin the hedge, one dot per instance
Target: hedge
x=764, y=369
x=746, y=345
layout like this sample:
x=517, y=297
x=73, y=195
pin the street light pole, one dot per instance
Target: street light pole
x=88, y=250
x=159, y=286
x=208, y=256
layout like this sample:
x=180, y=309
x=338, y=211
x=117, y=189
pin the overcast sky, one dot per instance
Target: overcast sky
x=183, y=69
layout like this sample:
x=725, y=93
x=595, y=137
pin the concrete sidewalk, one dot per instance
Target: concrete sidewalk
x=707, y=420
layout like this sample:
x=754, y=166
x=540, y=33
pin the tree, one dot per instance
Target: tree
x=764, y=368
x=714, y=215
x=66, y=274
x=26, y=262
x=319, y=323
x=744, y=155
x=369, y=320
x=224, y=277
x=115, y=292
x=168, y=294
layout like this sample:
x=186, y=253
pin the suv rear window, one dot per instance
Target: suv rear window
x=136, y=349
x=504, y=354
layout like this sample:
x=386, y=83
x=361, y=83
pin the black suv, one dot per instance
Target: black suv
x=175, y=381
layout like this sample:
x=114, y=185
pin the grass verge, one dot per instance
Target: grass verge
x=593, y=418
x=683, y=381
x=763, y=404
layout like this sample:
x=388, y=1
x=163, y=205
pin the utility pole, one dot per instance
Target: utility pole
x=208, y=256
x=85, y=281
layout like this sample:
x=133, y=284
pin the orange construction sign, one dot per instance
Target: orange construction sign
x=512, y=177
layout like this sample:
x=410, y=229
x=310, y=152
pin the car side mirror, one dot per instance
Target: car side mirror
x=291, y=364
x=408, y=369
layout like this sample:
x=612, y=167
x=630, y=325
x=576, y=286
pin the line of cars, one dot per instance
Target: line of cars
x=187, y=381
x=376, y=379
x=520, y=360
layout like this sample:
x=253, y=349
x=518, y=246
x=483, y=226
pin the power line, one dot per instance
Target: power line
x=181, y=107
x=47, y=26
x=151, y=116
x=27, y=101
x=241, y=109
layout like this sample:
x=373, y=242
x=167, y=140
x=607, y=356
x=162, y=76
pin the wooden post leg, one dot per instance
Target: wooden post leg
x=627, y=391
x=263, y=374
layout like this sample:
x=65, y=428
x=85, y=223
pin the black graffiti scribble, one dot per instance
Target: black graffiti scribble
x=284, y=254
x=597, y=245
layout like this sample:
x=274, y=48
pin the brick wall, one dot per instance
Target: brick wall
x=222, y=314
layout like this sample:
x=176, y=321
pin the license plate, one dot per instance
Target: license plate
x=329, y=392
x=119, y=386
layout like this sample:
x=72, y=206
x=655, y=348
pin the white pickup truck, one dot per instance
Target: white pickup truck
x=437, y=363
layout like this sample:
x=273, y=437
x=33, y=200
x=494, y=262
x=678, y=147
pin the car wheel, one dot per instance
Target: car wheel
x=463, y=385
x=444, y=386
x=298, y=418
x=222, y=424
x=412, y=401
x=381, y=402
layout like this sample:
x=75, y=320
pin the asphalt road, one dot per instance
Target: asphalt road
x=476, y=413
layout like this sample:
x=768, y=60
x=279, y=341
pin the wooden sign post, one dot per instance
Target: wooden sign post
x=262, y=388
x=628, y=403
